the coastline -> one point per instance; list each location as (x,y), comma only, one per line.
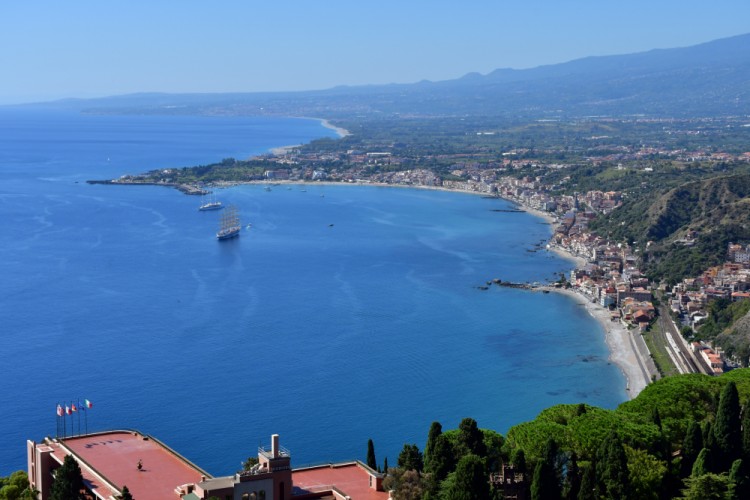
(620,341)
(635,365)
(284,150)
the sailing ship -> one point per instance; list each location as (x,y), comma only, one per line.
(229,225)
(211,205)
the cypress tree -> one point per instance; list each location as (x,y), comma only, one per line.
(470,481)
(471,438)
(691,447)
(385,465)
(589,489)
(435,430)
(726,429)
(612,468)
(519,461)
(371,462)
(702,464)
(655,417)
(573,478)
(545,484)
(739,483)
(443,460)
(68,482)
(709,441)
(746,431)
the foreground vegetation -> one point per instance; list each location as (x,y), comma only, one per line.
(686,436)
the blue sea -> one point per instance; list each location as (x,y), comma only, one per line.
(344,313)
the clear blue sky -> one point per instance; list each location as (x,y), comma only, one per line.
(83,48)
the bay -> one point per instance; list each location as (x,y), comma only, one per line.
(345,313)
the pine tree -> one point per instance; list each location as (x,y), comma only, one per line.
(435,430)
(68,482)
(691,447)
(371,462)
(726,429)
(612,468)
(410,458)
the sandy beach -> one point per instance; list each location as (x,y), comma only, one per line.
(627,349)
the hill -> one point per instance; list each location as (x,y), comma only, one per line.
(703,80)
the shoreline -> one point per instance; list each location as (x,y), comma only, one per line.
(284,150)
(622,349)
(619,339)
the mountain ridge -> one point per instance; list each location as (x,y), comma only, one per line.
(709,79)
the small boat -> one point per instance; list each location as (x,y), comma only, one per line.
(267,188)
(229,225)
(211,205)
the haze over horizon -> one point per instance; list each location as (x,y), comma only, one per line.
(90,49)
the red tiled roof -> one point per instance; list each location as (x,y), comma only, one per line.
(351,479)
(115,456)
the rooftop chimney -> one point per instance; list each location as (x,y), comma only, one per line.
(275,445)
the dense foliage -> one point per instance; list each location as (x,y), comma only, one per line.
(16,487)
(683,437)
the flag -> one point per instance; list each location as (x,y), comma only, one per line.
(59,411)
(73,408)
(80,406)
(67,410)
(89,404)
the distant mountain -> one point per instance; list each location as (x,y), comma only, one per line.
(704,80)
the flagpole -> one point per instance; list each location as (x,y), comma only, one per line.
(78,410)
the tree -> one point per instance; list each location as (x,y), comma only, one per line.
(371,462)
(646,474)
(470,438)
(572,477)
(410,458)
(746,431)
(436,430)
(405,484)
(470,480)
(589,487)
(68,482)
(706,487)
(739,483)
(655,417)
(443,461)
(545,484)
(691,447)
(726,429)
(612,468)
(385,465)
(702,464)
(250,463)
(126,494)
(519,461)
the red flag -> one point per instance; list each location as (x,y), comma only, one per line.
(73,407)
(59,411)
(67,410)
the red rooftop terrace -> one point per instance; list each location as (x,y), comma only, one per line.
(153,471)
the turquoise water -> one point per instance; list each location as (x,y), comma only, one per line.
(345,313)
